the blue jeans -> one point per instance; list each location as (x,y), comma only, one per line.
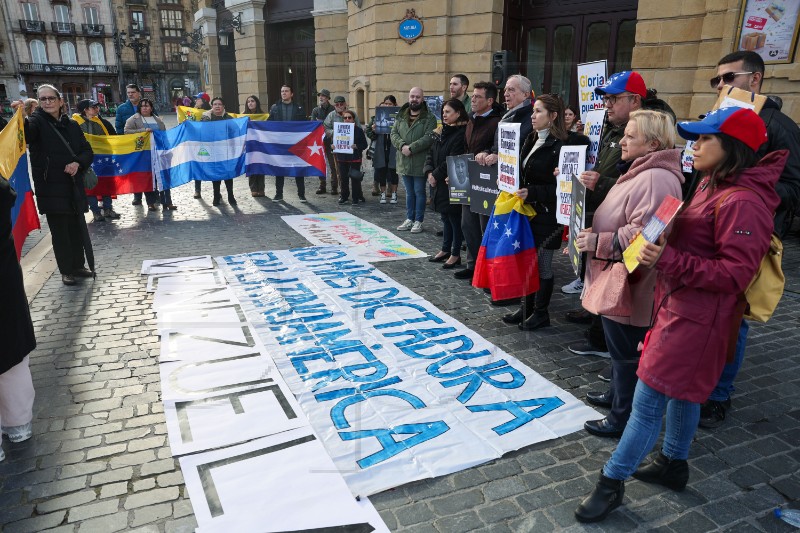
(725,387)
(644,426)
(415,197)
(451,233)
(93,205)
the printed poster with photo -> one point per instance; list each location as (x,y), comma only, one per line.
(458,176)
(384,119)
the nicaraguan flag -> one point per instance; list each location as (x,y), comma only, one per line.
(507,262)
(207,151)
(122,163)
(285,148)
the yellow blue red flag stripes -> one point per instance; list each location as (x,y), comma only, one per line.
(14,168)
(507,262)
(122,163)
(192,113)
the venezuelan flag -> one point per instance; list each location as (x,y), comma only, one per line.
(122,163)
(191,113)
(14,167)
(507,262)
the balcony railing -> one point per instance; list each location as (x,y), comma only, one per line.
(136,2)
(93,29)
(32,26)
(176,66)
(67,69)
(63,28)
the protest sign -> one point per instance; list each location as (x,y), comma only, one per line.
(593,128)
(343,137)
(384,119)
(483,188)
(371,242)
(435,104)
(508,149)
(652,230)
(590,76)
(571,162)
(577,221)
(395,388)
(458,176)
(735,97)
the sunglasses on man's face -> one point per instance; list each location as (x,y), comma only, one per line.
(728,78)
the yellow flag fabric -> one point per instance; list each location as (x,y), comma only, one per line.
(80,119)
(12,144)
(191,113)
(507,202)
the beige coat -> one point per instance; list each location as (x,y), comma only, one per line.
(137,123)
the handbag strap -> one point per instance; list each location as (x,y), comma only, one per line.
(63,140)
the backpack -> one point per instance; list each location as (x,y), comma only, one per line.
(766,289)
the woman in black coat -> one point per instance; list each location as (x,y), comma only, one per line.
(450,141)
(58,179)
(539,158)
(16,330)
(351,162)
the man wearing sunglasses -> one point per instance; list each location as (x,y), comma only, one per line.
(745,70)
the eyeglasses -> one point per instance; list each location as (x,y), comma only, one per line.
(348,118)
(611,99)
(48,98)
(728,77)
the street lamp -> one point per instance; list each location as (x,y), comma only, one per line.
(226,29)
(193,41)
(135,43)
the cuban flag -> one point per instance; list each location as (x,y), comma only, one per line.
(206,151)
(285,149)
(14,168)
(507,262)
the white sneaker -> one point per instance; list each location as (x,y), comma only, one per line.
(394,198)
(576,287)
(18,433)
(383,197)
(405,226)
(417,227)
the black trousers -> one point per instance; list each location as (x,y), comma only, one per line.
(65,231)
(301,185)
(471,228)
(622,342)
(217,186)
(348,185)
(256,183)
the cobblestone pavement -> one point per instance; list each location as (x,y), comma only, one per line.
(99,459)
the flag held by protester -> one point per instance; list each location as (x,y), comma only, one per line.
(507,263)
(206,151)
(285,149)
(122,163)
(195,114)
(14,168)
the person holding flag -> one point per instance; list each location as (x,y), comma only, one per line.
(90,121)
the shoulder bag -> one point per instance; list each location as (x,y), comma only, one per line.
(89,176)
(609,293)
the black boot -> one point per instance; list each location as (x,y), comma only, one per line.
(540,317)
(606,496)
(523,313)
(672,473)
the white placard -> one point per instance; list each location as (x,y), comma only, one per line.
(396,389)
(185,281)
(593,128)
(508,149)
(343,137)
(177,264)
(590,76)
(571,162)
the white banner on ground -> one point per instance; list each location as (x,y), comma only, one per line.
(179,264)
(372,243)
(396,389)
(185,281)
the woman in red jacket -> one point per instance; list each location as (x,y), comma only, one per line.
(712,254)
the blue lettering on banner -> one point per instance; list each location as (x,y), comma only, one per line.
(338,415)
(420,433)
(521,416)
(474,377)
(317,254)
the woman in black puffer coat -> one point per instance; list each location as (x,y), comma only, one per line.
(58,179)
(450,141)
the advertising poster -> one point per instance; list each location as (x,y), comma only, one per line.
(508,148)
(577,219)
(458,176)
(769,28)
(343,137)
(571,162)
(384,119)
(590,76)
(483,188)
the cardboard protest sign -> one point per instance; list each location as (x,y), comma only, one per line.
(508,148)
(735,97)
(590,76)
(384,119)
(652,231)
(458,176)
(483,188)
(577,221)
(571,162)
(343,137)
(593,128)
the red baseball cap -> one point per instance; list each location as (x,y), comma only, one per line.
(738,122)
(626,81)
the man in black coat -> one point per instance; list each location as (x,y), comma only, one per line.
(287,110)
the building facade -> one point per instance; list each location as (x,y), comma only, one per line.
(9,83)
(355,48)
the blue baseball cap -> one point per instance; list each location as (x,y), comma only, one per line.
(627,81)
(738,122)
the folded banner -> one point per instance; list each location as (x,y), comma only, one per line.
(208,151)
(285,148)
(507,262)
(14,168)
(122,163)
(192,113)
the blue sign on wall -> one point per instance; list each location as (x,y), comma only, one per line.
(410,28)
